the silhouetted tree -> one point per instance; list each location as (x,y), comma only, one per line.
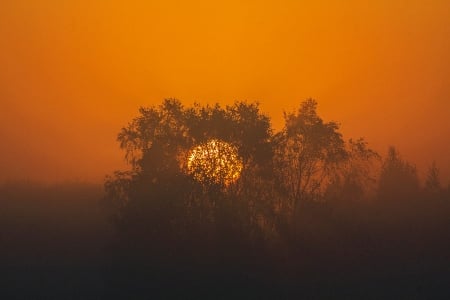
(289,204)
(355,177)
(398,179)
(308,151)
(433,187)
(167,203)
(433,182)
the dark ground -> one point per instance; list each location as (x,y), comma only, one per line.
(56,243)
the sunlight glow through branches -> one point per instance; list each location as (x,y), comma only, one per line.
(215,162)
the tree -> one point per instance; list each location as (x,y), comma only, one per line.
(398,179)
(308,151)
(201,173)
(170,196)
(433,183)
(355,178)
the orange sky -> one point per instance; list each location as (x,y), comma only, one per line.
(74,72)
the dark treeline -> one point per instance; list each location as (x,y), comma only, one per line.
(216,204)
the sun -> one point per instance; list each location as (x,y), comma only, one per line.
(214,162)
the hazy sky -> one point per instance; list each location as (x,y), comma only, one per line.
(73,72)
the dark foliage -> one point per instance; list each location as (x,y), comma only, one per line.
(306,205)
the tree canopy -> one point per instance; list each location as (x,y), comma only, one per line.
(218,185)
(209,168)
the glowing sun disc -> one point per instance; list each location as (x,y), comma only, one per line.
(214,161)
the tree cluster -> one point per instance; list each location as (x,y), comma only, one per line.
(166,213)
